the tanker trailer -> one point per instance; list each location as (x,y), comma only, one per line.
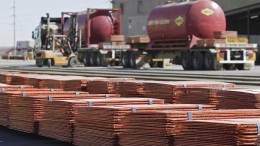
(96,36)
(192,34)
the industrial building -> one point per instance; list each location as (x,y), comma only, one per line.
(242,16)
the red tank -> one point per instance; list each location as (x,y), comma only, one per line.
(180,20)
(101,27)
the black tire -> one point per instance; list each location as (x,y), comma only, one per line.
(240,67)
(39,63)
(197,61)
(153,64)
(125,59)
(210,62)
(86,59)
(73,62)
(49,63)
(132,60)
(101,60)
(186,60)
(93,59)
(229,66)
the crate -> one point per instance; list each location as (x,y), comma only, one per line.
(138,39)
(116,38)
(225,34)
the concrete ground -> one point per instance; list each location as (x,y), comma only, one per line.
(13,138)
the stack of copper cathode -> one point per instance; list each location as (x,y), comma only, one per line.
(6,77)
(219,132)
(169,90)
(26,109)
(106,117)
(105,86)
(4,101)
(161,127)
(130,88)
(60,114)
(239,99)
(111,121)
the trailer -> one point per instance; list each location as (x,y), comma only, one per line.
(95,36)
(192,34)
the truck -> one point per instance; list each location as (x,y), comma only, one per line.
(95,36)
(48,26)
(192,34)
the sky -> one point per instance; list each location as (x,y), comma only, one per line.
(29,12)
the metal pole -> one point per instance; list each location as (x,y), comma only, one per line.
(14,30)
(248,23)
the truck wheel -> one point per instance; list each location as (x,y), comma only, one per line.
(245,66)
(39,63)
(210,62)
(197,61)
(101,60)
(186,60)
(73,62)
(133,56)
(86,59)
(93,59)
(125,59)
(49,63)
(229,66)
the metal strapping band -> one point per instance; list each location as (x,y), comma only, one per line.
(189,115)
(90,103)
(134,109)
(150,102)
(23,94)
(200,107)
(3,90)
(50,98)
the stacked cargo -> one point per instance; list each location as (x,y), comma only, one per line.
(6,77)
(138,39)
(160,128)
(4,102)
(58,117)
(113,40)
(167,90)
(69,83)
(219,132)
(130,88)
(36,80)
(219,37)
(106,86)
(26,109)
(239,99)
(197,96)
(111,121)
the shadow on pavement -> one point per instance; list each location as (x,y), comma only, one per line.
(14,138)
